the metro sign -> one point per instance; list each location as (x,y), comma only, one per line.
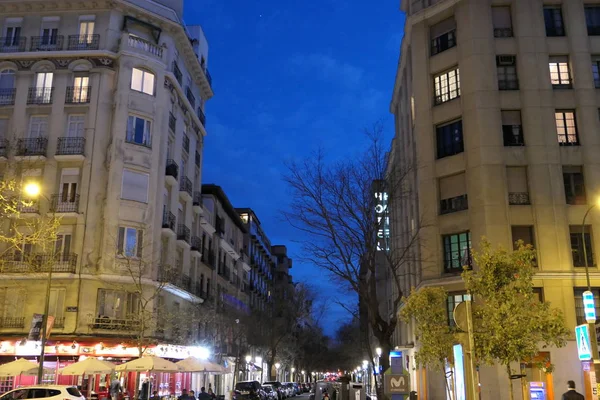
(396,384)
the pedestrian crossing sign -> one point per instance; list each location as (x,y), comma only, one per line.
(584,347)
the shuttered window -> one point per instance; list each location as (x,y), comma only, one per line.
(135,186)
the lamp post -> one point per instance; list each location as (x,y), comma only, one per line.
(277,366)
(259,362)
(303,376)
(292,376)
(248,359)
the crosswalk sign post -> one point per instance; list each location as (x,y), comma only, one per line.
(584,347)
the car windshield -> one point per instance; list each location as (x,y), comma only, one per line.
(73,391)
(244,386)
(267,388)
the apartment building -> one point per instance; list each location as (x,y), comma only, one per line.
(102,104)
(496,105)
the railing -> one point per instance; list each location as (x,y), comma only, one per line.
(197,199)
(142,44)
(198,159)
(513,135)
(503,32)
(121,324)
(38,263)
(3,147)
(47,43)
(7,97)
(83,42)
(190,96)
(172,122)
(183,233)
(177,73)
(196,244)
(185,185)
(10,44)
(168,220)
(454,204)
(59,322)
(70,146)
(172,169)
(201,116)
(40,95)
(505,84)
(78,94)
(65,203)
(12,322)
(186,143)
(32,146)
(518,198)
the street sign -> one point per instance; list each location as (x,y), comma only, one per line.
(396,384)
(588,306)
(584,347)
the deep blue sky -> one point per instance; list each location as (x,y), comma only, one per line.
(289,77)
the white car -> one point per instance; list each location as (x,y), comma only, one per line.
(55,392)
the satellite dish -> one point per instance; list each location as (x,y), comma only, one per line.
(460,316)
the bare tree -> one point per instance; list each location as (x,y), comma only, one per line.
(334,206)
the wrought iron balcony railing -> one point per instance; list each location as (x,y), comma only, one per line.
(183,233)
(32,146)
(518,199)
(185,185)
(47,43)
(168,220)
(65,203)
(190,96)
(7,97)
(197,199)
(12,322)
(114,324)
(10,44)
(172,169)
(196,244)
(177,73)
(83,42)
(69,146)
(38,263)
(78,94)
(40,95)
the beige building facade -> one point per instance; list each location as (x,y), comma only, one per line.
(496,105)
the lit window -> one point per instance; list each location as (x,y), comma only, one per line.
(139,131)
(142,81)
(447,86)
(457,251)
(566,128)
(559,72)
(131,241)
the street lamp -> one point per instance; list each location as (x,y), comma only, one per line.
(303,376)
(248,359)
(259,363)
(292,377)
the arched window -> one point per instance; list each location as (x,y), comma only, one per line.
(7,79)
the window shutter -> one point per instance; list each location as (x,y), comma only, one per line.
(452,186)
(135,186)
(517,179)
(121,241)
(559,59)
(511,117)
(140,242)
(501,17)
(442,27)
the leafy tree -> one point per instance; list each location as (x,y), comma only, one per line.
(510,321)
(435,336)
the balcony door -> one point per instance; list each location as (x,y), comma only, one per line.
(12,32)
(68,185)
(86,30)
(49,34)
(62,247)
(81,85)
(43,87)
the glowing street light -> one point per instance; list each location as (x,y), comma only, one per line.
(378,351)
(32,189)
(248,359)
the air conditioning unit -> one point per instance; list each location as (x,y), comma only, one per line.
(506,60)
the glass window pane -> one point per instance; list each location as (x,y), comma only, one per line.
(136,79)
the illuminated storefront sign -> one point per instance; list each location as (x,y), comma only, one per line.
(383,221)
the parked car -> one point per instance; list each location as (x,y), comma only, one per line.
(297,389)
(248,390)
(305,388)
(270,392)
(55,392)
(290,389)
(278,387)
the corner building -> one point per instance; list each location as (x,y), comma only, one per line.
(496,105)
(102,104)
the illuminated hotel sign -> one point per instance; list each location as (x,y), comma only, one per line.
(383,221)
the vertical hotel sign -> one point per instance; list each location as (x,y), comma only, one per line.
(383,218)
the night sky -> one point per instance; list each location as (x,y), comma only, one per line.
(289,77)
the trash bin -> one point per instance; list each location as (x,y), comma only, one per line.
(413,396)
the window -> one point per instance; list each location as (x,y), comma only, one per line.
(131,241)
(135,186)
(42,92)
(139,131)
(560,76)
(62,246)
(538,293)
(49,31)
(69,181)
(142,81)
(524,233)
(38,126)
(577,250)
(596,70)
(454,299)
(447,86)
(579,311)
(507,72)
(12,304)
(518,191)
(56,305)
(592,19)
(449,139)
(566,128)
(87,24)
(12,31)
(554,21)
(457,251)
(43,79)
(443,36)
(80,92)
(502,22)
(117,304)
(7,79)
(574,185)
(75,125)
(453,194)
(512,129)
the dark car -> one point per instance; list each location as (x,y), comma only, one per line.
(248,390)
(277,386)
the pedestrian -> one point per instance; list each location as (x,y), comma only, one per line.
(115,388)
(184,395)
(211,393)
(572,394)
(192,395)
(155,396)
(145,389)
(203,395)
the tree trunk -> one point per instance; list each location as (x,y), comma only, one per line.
(510,383)
(384,361)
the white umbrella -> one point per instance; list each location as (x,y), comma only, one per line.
(192,364)
(89,366)
(20,367)
(149,363)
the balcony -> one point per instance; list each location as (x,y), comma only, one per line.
(114,324)
(185,188)
(136,42)
(70,149)
(454,204)
(78,94)
(32,147)
(38,263)
(228,248)
(177,73)
(171,172)
(503,32)
(172,122)
(47,43)
(83,42)
(201,116)
(59,322)
(12,322)
(40,95)
(196,244)
(28,207)
(183,234)
(518,199)
(65,203)
(11,44)
(168,221)
(7,97)
(190,96)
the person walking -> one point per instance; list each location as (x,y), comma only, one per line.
(115,388)
(203,395)
(571,393)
